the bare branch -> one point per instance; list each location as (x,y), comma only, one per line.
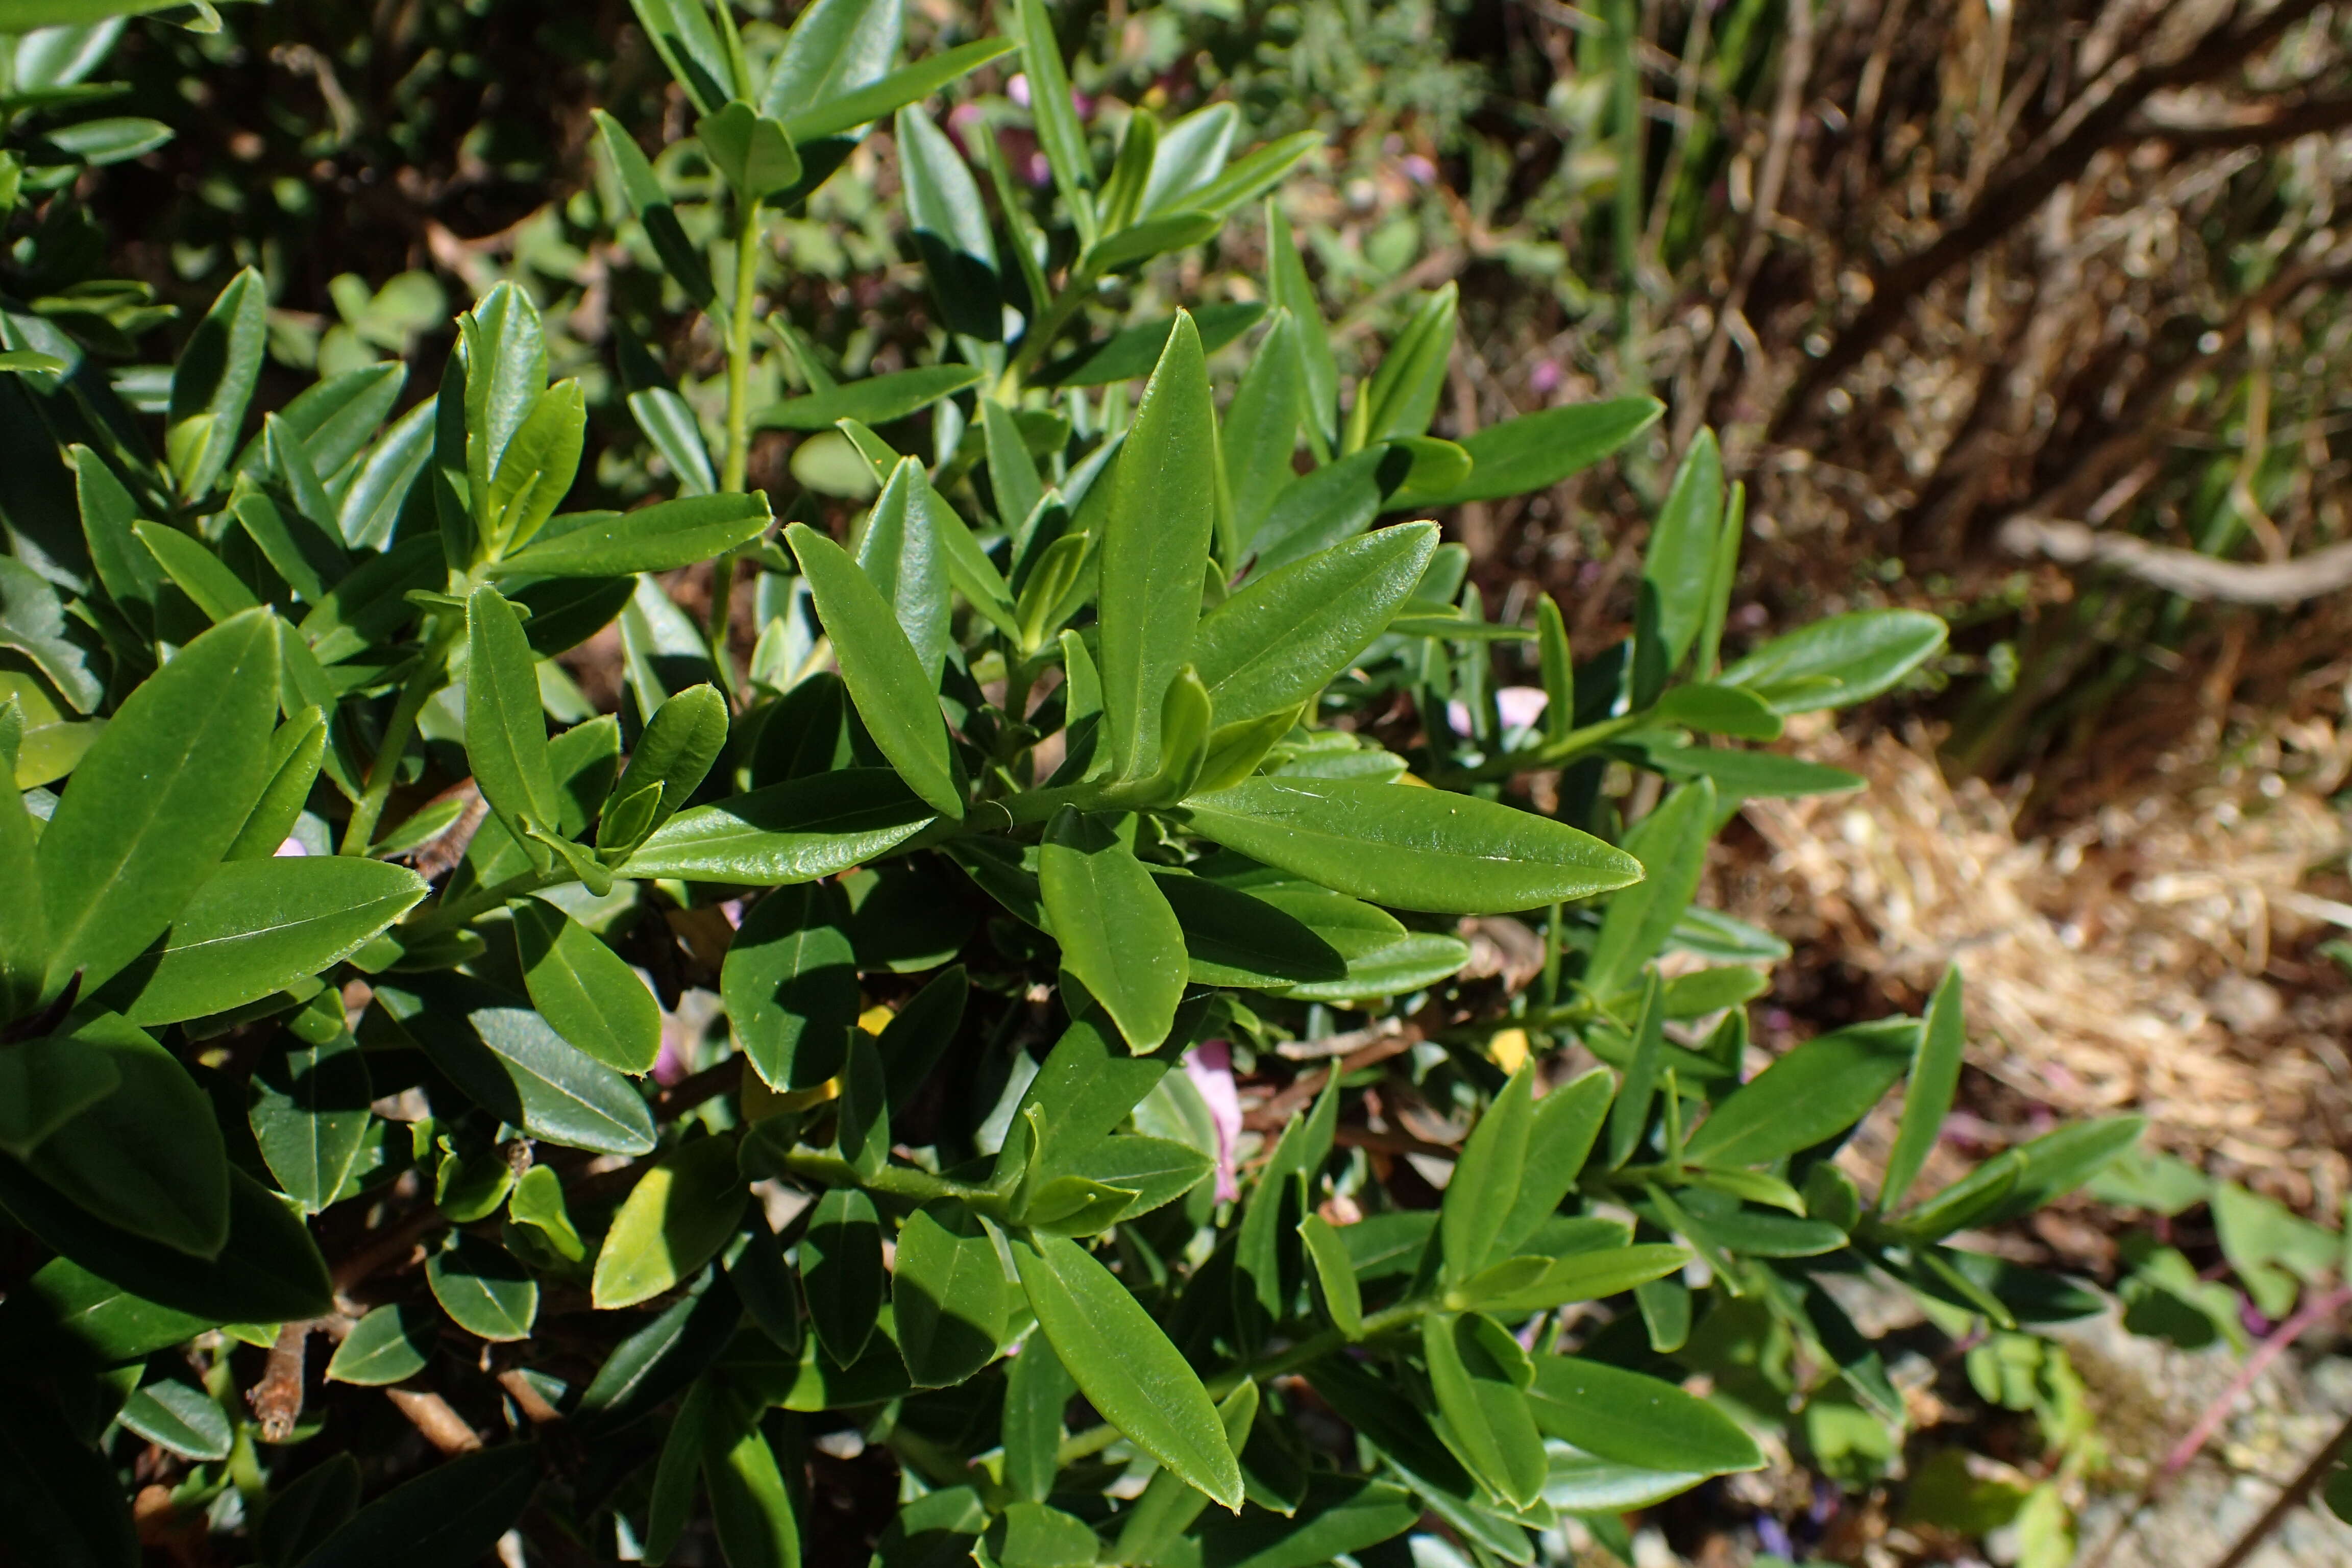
(2183,572)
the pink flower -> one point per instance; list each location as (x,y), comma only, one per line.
(1210,1066)
(1545,379)
(291,846)
(1519,706)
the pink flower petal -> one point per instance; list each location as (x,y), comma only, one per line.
(1210,1066)
(291,846)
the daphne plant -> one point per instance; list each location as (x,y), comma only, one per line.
(838,1053)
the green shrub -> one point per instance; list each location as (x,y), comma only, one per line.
(1104,748)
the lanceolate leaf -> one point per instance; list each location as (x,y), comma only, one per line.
(453,1513)
(676,1217)
(258,926)
(841,1268)
(1935,1077)
(1671,843)
(1410,848)
(1636,1420)
(505,1057)
(1125,1365)
(44,1084)
(213,381)
(658,538)
(1283,638)
(791,986)
(949,1295)
(1833,662)
(1536,451)
(1680,560)
(897,700)
(1155,547)
(787,833)
(309,1110)
(1816,1091)
(835,46)
(506,730)
(875,400)
(147,1159)
(157,800)
(1119,936)
(585,990)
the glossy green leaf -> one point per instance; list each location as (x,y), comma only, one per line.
(214,589)
(46,1083)
(1289,289)
(1590,1276)
(1487,1177)
(1285,635)
(1059,131)
(450,1516)
(642,189)
(906,561)
(1671,843)
(659,1360)
(1635,1419)
(841,1271)
(1536,451)
(304,1512)
(676,750)
(874,400)
(1411,848)
(296,751)
(1259,434)
(506,1058)
(670,424)
(1838,661)
(585,990)
(1748,775)
(179,1416)
(751,152)
(1679,563)
(308,1106)
(148,1158)
(949,1294)
(835,46)
(1629,1115)
(786,833)
(1566,1122)
(536,469)
(1815,1092)
(1155,548)
(157,800)
(1935,1077)
(391,1344)
(506,730)
(750,1506)
(682,34)
(678,1470)
(886,678)
(269,1272)
(672,1223)
(213,384)
(537,1201)
(949,226)
(1233,939)
(1328,507)
(1484,1412)
(1130,353)
(1401,396)
(790,982)
(1090,1080)
(483,1288)
(887,94)
(658,538)
(1335,1276)
(1119,936)
(1717,711)
(1125,1365)
(862,1120)
(254,927)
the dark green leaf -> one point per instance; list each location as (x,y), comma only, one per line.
(904,558)
(213,381)
(787,833)
(1155,548)
(506,730)
(1037,1387)
(1671,843)
(449,1517)
(908,85)
(1330,506)
(658,538)
(886,677)
(1482,1408)
(1285,635)
(682,34)
(391,1344)
(790,982)
(750,151)
(1059,131)
(1133,352)
(1335,1275)
(308,1106)
(1119,936)
(1485,1179)
(585,990)
(505,1057)
(1679,562)
(314,1506)
(157,800)
(296,751)
(949,1294)
(44,1084)
(1815,1092)
(178,1416)
(483,1288)
(147,1159)
(1402,395)
(750,1506)
(645,196)
(1935,1076)
(1838,661)
(1536,451)
(841,1269)
(1233,939)
(951,229)
(1636,1420)
(255,927)
(1125,1365)
(875,400)
(1412,849)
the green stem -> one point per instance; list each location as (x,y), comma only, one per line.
(896,1180)
(1041,335)
(1550,754)
(383,771)
(738,427)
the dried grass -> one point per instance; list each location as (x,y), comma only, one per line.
(2152,957)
